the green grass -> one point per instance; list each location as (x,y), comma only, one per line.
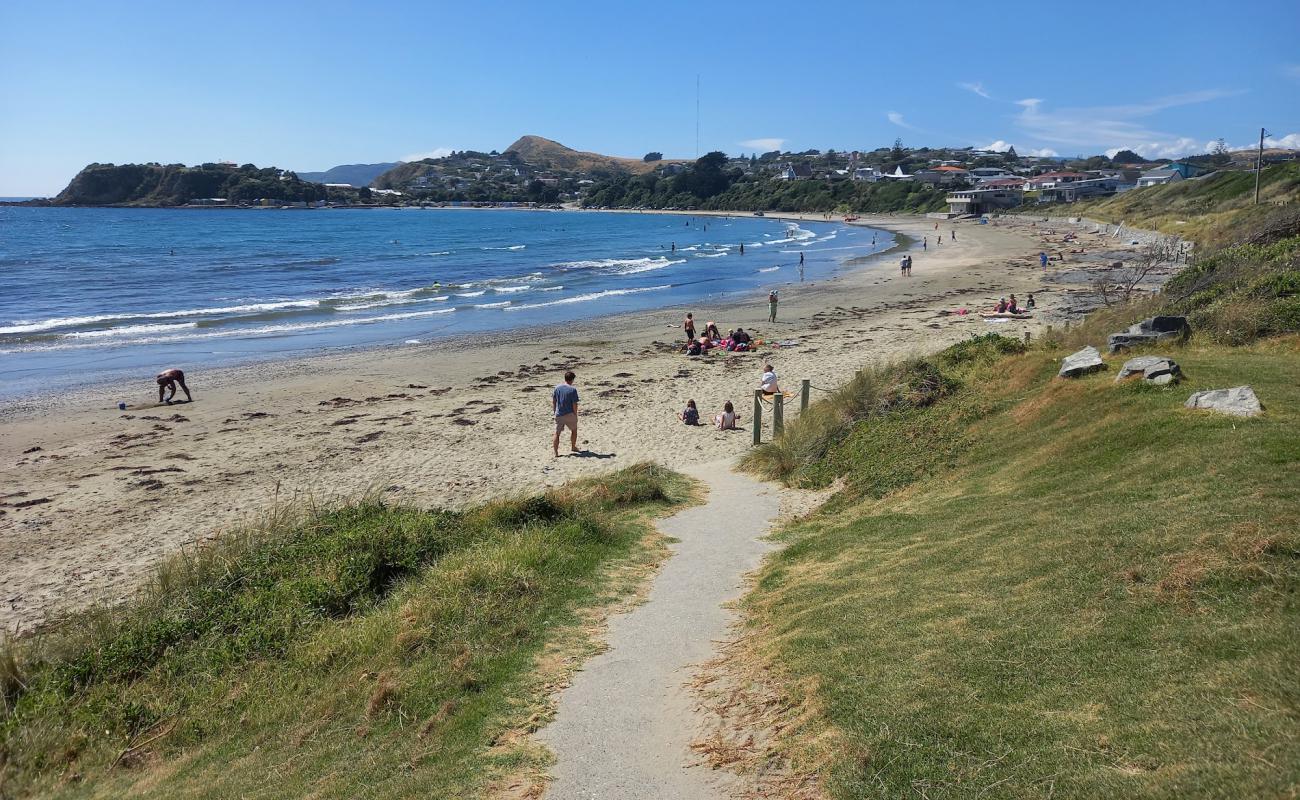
(1212,211)
(1034,587)
(370,651)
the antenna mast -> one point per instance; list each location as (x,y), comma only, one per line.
(697,115)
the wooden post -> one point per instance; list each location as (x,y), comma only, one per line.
(803,394)
(757,422)
(1026,337)
(778,414)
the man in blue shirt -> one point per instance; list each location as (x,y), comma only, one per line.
(564,400)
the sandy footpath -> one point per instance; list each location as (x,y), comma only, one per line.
(91,496)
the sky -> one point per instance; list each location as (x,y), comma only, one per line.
(309,85)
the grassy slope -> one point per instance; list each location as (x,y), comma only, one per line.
(1210,211)
(368,652)
(1092,594)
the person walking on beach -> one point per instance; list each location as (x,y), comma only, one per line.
(801,259)
(169,379)
(1042,259)
(742,248)
(902,267)
(564,402)
(689,327)
(954,234)
(925,243)
(771,306)
(909,266)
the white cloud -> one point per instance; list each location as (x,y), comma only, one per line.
(897,119)
(763,145)
(1290,141)
(437,152)
(976,87)
(1001,146)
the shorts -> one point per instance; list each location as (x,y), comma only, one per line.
(569,421)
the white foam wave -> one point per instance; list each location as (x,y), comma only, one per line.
(493,305)
(583,298)
(510,247)
(440,253)
(711,255)
(510,289)
(471,294)
(769,269)
(622,266)
(130,330)
(36,326)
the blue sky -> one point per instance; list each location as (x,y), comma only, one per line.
(309,85)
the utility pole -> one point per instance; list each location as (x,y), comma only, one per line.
(1259,162)
(697,118)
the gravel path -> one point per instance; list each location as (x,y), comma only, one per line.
(624,726)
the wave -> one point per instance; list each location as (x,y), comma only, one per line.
(583,298)
(510,247)
(479,293)
(769,269)
(502,304)
(510,289)
(711,255)
(621,266)
(130,330)
(36,326)
(440,253)
(394,302)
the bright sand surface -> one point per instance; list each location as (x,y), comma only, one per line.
(92,496)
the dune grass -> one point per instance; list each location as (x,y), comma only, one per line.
(1033,587)
(368,651)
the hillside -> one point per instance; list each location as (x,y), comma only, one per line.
(546,154)
(177,184)
(357,175)
(1208,210)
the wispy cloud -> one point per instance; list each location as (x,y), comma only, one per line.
(977,87)
(1002,146)
(897,119)
(1118,127)
(437,152)
(764,145)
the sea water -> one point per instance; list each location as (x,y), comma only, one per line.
(89,294)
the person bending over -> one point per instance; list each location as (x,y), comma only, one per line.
(169,379)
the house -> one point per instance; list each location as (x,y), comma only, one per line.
(1159,177)
(942,175)
(981,174)
(896,175)
(791,172)
(1070,191)
(982,200)
(1051,180)
(1185,169)
(868,174)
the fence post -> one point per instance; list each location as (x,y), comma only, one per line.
(803,394)
(778,414)
(758,416)
(1026,337)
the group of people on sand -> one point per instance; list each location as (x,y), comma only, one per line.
(726,419)
(1013,306)
(736,340)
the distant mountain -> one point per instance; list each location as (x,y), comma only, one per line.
(177,184)
(352,174)
(546,154)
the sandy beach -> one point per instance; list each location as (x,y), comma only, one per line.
(92,496)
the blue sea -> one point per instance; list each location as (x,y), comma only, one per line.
(91,294)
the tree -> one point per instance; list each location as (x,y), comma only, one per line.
(897,152)
(1127,157)
(1120,286)
(1220,152)
(1010,156)
(653,156)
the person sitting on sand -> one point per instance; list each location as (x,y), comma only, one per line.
(1029,303)
(740,340)
(1001,307)
(169,379)
(1013,307)
(768,383)
(706,344)
(726,421)
(693,348)
(690,415)
(711,332)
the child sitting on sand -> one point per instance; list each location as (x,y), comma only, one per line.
(726,421)
(693,348)
(690,415)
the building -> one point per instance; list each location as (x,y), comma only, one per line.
(792,172)
(896,175)
(1070,191)
(1159,177)
(982,174)
(1051,180)
(942,175)
(868,174)
(983,200)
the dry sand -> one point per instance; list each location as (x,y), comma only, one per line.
(93,496)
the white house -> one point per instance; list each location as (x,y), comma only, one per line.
(1159,177)
(868,174)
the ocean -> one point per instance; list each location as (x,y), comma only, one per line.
(91,294)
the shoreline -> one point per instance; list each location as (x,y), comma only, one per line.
(98,496)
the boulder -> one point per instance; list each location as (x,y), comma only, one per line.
(1239,401)
(1159,370)
(1149,331)
(1081,363)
